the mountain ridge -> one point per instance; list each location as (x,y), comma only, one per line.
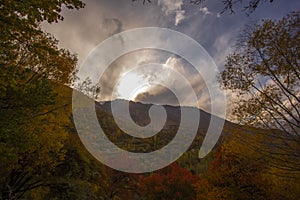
(139,112)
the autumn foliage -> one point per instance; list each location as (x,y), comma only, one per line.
(172,182)
(42,157)
(240,171)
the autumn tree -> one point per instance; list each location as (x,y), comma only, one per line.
(238,171)
(32,119)
(235,173)
(78,176)
(264,73)
(172,182)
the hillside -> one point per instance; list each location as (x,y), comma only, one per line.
(140,114)
(80,176)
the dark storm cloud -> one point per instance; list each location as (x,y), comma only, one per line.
(161,95)
(158,95)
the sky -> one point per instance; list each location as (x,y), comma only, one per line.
(81,31)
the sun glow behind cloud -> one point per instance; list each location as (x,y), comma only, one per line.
(130,85)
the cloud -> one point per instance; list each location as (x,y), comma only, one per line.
(179,16)
(161,95)
(169,6)
(205,11)
(222,47)
(112,25)
(173,7)
(157,95)
(113,74)
(83,30)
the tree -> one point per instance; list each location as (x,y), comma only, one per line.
(121,185)
(233,174)
(78,176)
(264,72)
(172,182)
(32,120)
(240,172)
(249,7)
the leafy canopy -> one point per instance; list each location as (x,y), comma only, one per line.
(264,72)
(32,122)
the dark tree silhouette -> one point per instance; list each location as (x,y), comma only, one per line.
(249,6)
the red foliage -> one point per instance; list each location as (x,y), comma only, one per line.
(172,182)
